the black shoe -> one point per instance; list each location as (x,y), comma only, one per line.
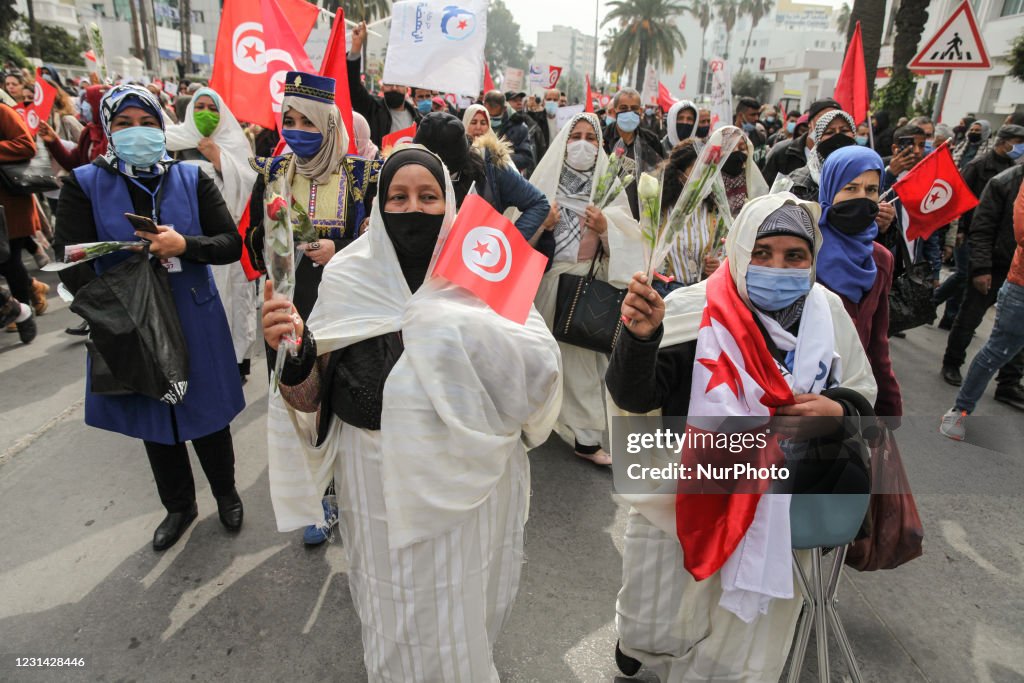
(27,330)
(946,324)
(952,376)
(229,508)
(78,330)
(1011,395)
(899,335)
(626,664)
(173,526)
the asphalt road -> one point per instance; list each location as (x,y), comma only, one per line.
(78,577)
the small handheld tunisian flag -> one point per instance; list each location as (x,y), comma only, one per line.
(486,254)
(734,374)
(933,193)
(396,139)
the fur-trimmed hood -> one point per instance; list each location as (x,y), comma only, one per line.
(500,150)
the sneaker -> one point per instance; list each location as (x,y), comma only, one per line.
(1012,395)
(39,292)
(952,424)
(315,535)
(27,329)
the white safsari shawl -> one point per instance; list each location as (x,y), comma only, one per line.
(469,391)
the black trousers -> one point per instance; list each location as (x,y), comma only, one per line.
(972,311)
(13,270)
(173,473)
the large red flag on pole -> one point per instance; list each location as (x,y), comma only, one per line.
(488,81)
(486,254)
(240,63)
(665,99)
(933,193)
(852,87)
(284,52)
(335,65)
(589,104)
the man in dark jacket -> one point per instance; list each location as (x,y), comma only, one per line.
(385,114)
(513,128)
(547,122)
(788,155)
(643,150)
(517,102)
(992,244)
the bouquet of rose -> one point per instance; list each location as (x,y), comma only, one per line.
(704,178)
(609,185)
(87,251)
(279,249)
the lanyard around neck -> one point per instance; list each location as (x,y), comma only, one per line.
(153,194)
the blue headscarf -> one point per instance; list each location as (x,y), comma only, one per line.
(846,264)
(117,99)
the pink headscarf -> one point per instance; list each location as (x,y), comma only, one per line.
(361,132)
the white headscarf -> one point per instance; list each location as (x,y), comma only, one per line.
(236,176)
(670,120)
(469,389)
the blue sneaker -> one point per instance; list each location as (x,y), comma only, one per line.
(314,535)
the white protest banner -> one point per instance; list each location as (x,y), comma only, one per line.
(721,94)
(514,79)
(564,114)
(543,77)
(437,44)
(649,95)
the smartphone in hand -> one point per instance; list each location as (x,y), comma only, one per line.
(142,223)
(904,142)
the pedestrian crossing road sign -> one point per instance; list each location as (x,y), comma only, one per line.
(957,45)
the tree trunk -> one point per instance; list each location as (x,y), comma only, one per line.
(137,50)
(185,10)
(702,69)
(746,48)
(641,67)
(33,42)
(910,20)
(871,15)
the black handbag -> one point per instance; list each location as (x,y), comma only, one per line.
(26,178)
(910,299)
(588,311)
(5,245)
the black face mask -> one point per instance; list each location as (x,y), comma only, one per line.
(413,235)
(837,141)
(852,216)
(702,131)
(974,137)
(735,163)
(394,99)
(683,130)
(959,130)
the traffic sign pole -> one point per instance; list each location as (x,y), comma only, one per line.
(940,96)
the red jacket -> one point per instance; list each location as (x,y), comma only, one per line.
(16,145)
(1016,275)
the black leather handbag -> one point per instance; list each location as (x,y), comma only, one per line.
(26,178)
(910,299)
(588,311)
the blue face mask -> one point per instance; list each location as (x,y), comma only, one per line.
(609,120)
(1016,152)
(748,128)
(424,106)
(772,289)
(303,142)
(495,122)
(791,127)
(551,107)
(140,146)
(769,119)
(929,145)
(862,140)
(628,121)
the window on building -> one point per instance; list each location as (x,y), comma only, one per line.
(99,9)
(991,94)
(1012,7)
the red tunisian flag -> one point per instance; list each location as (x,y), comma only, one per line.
(335,65)
(486,254)
(247,55)
(588,104)
(665,99)
(399,137)
(933,193)
(852,87)
(488,81)
(734,375)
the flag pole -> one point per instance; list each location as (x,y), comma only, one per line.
(871,131)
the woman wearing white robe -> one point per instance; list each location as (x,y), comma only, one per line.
(682,629)
(224,155)
(433,502)
(578,228)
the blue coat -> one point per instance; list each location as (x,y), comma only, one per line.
(214,396)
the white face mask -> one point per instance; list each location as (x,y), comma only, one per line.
(581,155)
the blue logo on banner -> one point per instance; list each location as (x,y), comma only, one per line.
(457,23)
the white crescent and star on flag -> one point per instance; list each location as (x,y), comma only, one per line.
(486,253)
(938,196)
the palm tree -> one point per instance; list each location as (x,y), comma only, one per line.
(843,19)
(910,20)
(647,31)
(365,10)
(701,11)
(727,11)
(756,10)
(871,15)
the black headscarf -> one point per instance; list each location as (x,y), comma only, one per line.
(413,234)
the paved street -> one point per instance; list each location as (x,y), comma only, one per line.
(78,577)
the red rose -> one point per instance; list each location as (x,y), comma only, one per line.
(74,255)
(714,154)
(276,208)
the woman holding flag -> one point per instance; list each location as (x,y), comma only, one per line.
(420,401)
(317,178)
(568,175)
(210,138)
(750,341)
